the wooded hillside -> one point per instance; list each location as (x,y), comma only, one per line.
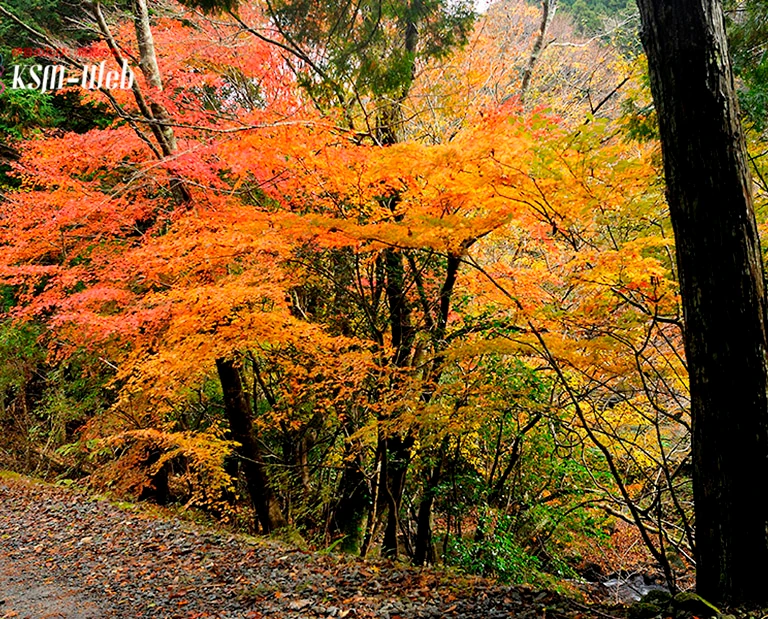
(389,278)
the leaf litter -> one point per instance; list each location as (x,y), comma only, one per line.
(64,554)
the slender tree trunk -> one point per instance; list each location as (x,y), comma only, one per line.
(722,288)
(424,549)
(163,132)
(240,419)
(151,71)
(375,511)
(399,308)
(395,451)
(547,13)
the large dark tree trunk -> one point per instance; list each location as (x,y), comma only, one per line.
(721,280)
(240,419)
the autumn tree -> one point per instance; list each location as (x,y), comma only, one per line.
(722,287)
(362,60)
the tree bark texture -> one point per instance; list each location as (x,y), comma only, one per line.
(240,418)
(397,454)
(424,549)
(348,518)
(151,71)
(722,288)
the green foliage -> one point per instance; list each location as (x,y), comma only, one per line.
(498,553)
(20,357)
(74,114)
(21,354)
(747,25)
(587,17)
(211,6)
(7,297)
(44,404)
(513,493)
(640,122)
(369,47)
(76,390)
(590,15)
(24,110)
(55,16)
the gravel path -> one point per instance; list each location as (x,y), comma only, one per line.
(44,598)
(63,554)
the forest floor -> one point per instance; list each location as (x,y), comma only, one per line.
(65,554)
